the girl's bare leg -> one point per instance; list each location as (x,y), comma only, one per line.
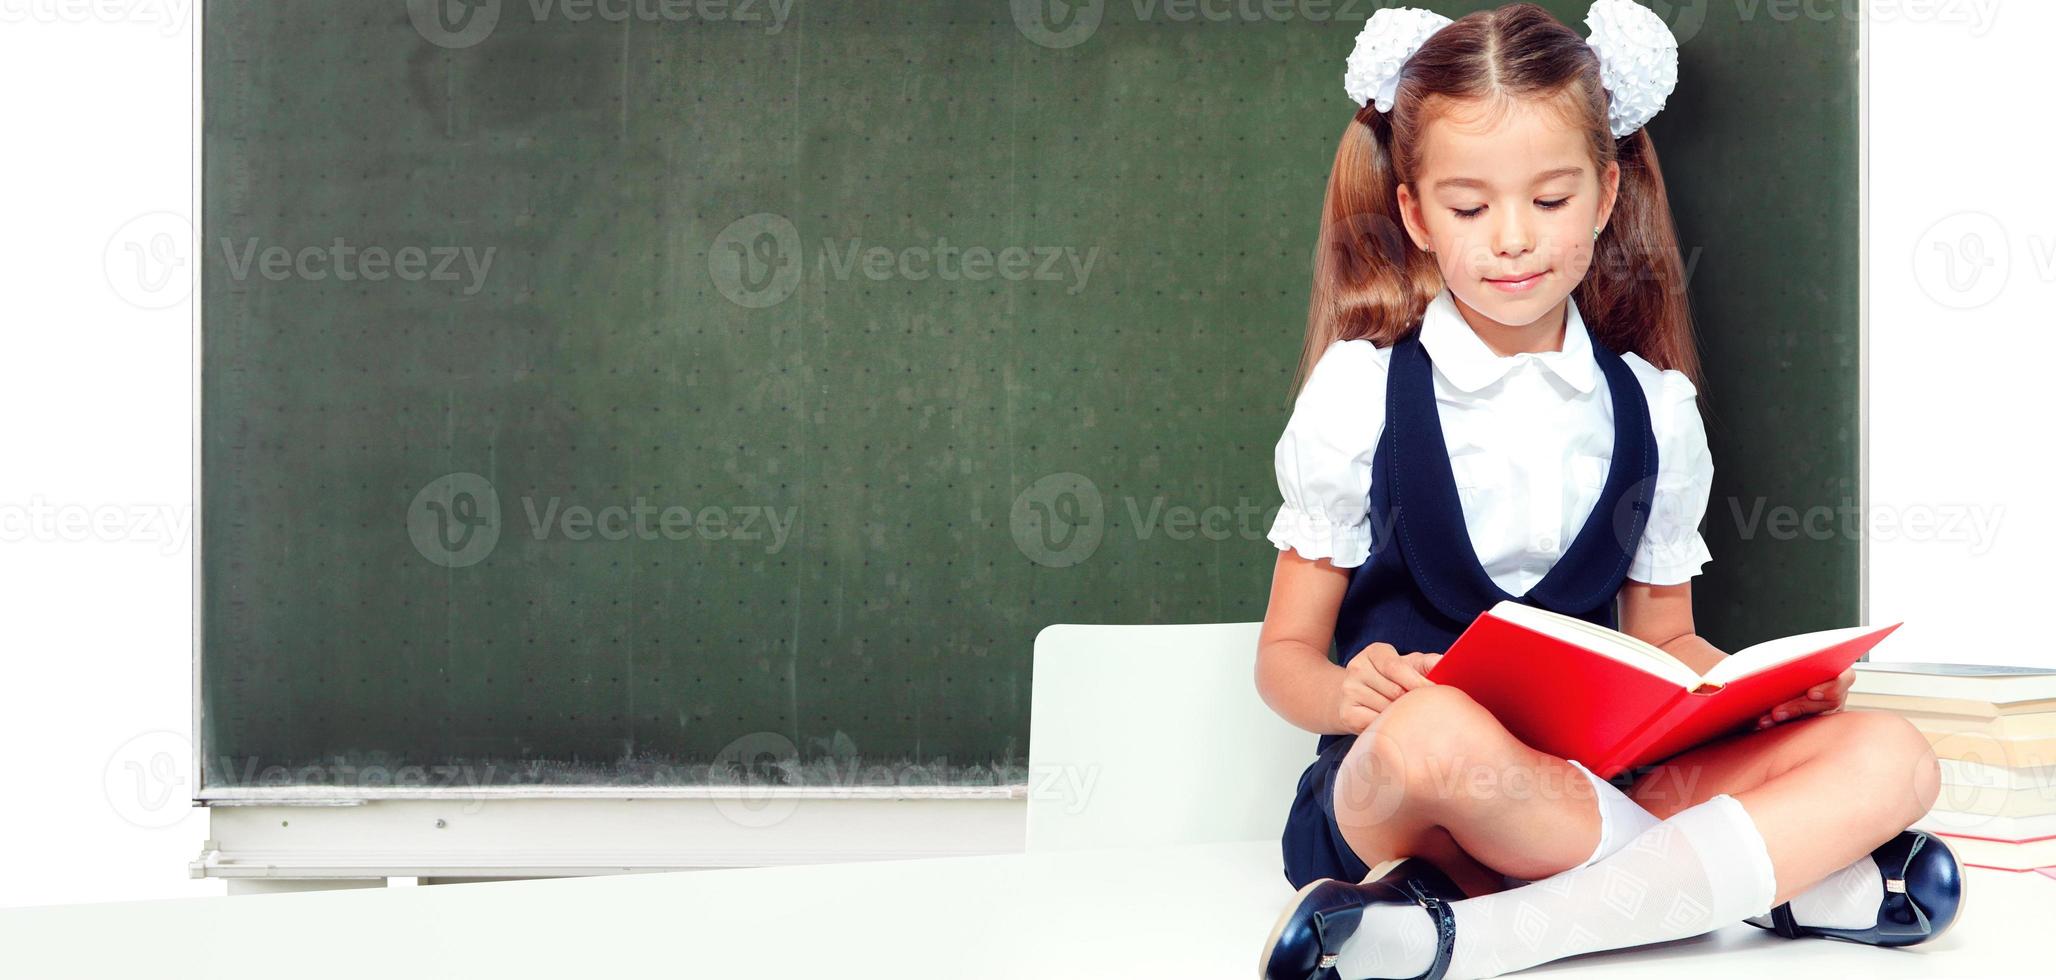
(1436,776)
(1823,790)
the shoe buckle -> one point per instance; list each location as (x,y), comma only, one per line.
(1328,959)
(1896,885)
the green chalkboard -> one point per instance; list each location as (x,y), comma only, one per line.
(621,393)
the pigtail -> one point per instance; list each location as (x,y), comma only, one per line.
(1369,281)
(1634,295)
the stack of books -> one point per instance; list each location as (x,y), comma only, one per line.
(1994,734)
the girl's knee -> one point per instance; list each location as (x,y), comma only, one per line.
(1891,750)
(1384,772)
(1439,717)
(1428,730)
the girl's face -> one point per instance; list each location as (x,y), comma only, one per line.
(1507,205)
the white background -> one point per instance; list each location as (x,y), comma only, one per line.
(95,387)
(1962,232)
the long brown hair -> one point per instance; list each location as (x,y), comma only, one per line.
(1371,282)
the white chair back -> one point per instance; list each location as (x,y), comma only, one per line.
(1143,735)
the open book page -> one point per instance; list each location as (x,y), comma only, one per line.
(1652,659)
(1770,653)
(1612,644)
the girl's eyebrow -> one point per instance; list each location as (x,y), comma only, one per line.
(1545,175)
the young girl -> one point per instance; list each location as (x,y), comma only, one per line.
(1498,402)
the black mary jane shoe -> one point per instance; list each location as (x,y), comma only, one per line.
(1923,896)
(1309,934)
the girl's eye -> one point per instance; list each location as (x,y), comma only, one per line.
(1544,205)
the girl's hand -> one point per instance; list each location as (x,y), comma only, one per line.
(1823,697)
(1375,678)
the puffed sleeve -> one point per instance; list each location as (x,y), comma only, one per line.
(1323,459)
(1671,550)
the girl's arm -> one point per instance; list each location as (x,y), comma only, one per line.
(1293,673)
(1661,615)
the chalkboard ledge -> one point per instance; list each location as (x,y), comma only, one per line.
(534,832)
(355,795)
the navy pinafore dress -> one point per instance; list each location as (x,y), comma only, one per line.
(1423,584)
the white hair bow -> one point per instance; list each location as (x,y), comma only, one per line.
(1638,58)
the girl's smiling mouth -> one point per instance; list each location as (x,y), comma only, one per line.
(1520,285)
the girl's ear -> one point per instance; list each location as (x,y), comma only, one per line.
(1410,216)
(1609,191)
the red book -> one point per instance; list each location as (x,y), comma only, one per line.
(1577,690)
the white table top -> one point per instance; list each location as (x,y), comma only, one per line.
(1187,911)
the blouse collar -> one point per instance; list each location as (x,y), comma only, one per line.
(1467,363)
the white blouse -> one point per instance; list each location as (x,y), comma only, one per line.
(1530,438)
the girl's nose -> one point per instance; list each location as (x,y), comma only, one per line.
(1514,239)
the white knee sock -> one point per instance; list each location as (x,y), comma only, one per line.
(1845,899)
(1620,820)
(1400,940)
(1703,868)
